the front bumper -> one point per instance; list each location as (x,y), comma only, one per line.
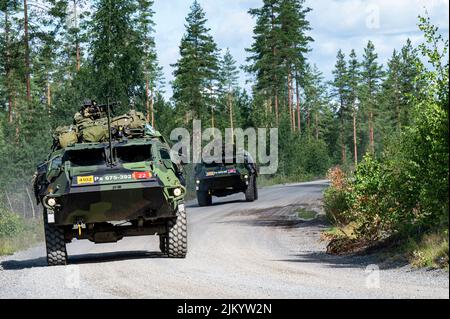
(113,202)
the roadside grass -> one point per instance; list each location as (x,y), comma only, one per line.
(430,251)
(27,233)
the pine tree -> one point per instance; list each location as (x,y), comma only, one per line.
(392,93)
(265,60)
(150,66)
(116,55)
(317,102)
(294,47)
(410,82)
(196,70)
(12,65)
(341,91)
(371,76)
(353,90)
(228,83)
(278,54)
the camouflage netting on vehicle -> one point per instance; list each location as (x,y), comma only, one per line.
(89,130)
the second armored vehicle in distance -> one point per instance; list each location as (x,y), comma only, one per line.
(225,178)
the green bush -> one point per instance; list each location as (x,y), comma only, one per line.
(11,224)
(336,206)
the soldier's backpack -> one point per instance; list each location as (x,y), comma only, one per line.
(92,131)
(97,132)
(66,135)
(138,119)
(123,120)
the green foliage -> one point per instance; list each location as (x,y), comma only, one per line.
(11,224)
(336,205)
(116,53)
(430,251)
(336,197)
(196,72)
(19,234)
(405,191)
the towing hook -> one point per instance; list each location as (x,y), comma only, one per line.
(80,225)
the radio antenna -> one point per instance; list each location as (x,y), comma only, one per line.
(108,114)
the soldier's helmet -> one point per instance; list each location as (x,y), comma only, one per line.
(87,103)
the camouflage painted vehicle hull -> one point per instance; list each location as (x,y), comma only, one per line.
(85,197)
(102,203)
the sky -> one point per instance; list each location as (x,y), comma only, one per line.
(336,24)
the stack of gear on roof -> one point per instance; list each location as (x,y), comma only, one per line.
(90,125)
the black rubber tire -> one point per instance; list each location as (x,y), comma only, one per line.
(256,189)
(176,243)
(163,243)
(55,244)
(250,192)
(204,198)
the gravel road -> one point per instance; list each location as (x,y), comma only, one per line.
(236,250)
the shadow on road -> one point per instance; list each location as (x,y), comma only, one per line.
(81,259)
(280,217)
(349,261)
(219,203)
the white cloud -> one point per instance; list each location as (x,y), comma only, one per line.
(345,24)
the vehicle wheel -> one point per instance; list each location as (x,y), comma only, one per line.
(55,244)
(176,242)
(250,192)
(162,243)
(204,199)
(256,189)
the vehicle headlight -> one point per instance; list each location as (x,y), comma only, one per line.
(177,192)
(51,202)
(245,176)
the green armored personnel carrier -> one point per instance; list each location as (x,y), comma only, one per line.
(107,178)
(226,177)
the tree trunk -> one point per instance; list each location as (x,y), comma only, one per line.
(344,157)
(77,45)
(317,125)
(31,202)
(147,102)
(17,117)
(297,93)
(78,56)
(308,120)
(9,108)
(27,53)
(49,95)
(399,120)
(276,108)
(230,106)
(152,111)
(291,118)
(372,142)
(8,65)
(275,93)
(355,145)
